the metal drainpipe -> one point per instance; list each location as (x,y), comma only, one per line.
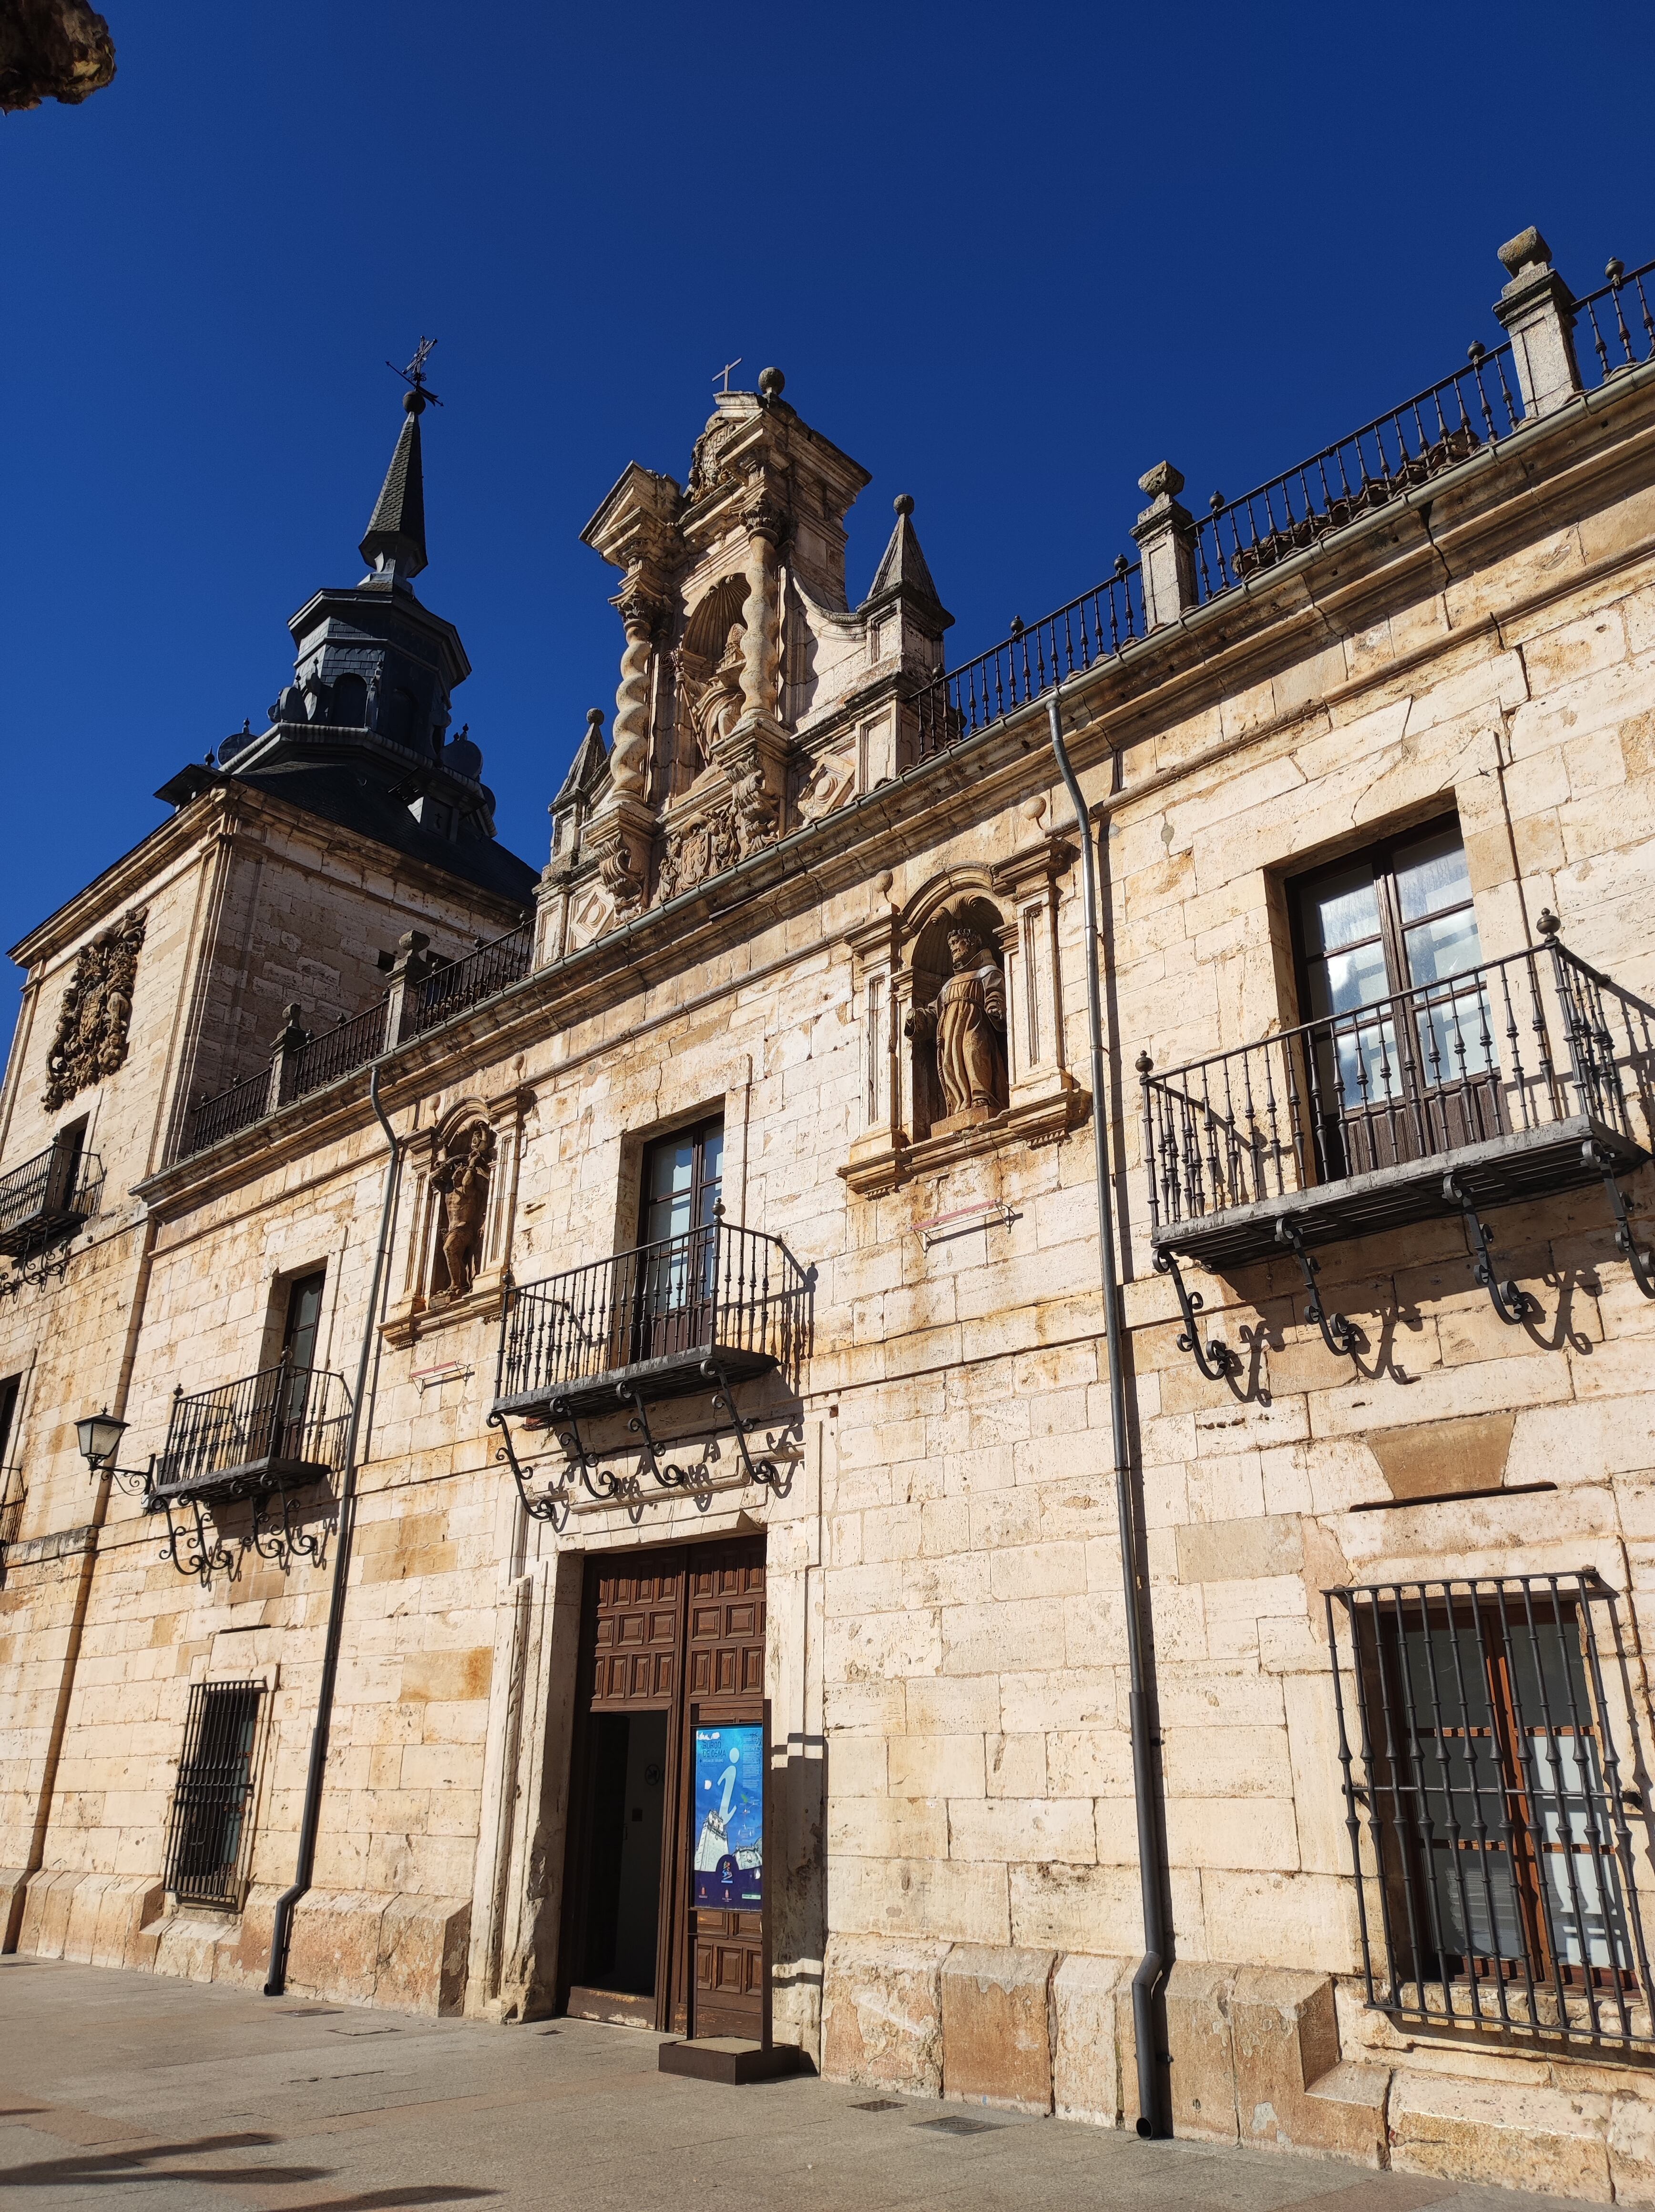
(1151,1966)
(310,1818)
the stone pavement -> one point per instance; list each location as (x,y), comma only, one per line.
(130,2089)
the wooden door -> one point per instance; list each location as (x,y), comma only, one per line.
(674,1634)
(724,1684)
(630,1685)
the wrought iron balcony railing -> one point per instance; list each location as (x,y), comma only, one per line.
(645,1323)
(1517,1076)
(47,1198)
(282,1427)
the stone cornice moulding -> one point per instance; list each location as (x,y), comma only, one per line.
(1151,683)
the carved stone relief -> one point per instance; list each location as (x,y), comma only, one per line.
(462,1180)
(825,786)
(97,1010)
(705,843)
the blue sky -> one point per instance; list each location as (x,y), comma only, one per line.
(1007,259)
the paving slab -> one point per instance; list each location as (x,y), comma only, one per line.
(120,2089)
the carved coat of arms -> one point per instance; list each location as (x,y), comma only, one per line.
(97,1010)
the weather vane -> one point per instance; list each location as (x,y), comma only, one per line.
(414,375)
(724,372)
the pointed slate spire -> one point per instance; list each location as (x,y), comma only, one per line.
(394,547)
(903,571)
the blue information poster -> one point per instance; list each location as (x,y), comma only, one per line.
(729,1858)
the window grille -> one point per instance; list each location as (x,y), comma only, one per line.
(209,1834)
(1496,1885)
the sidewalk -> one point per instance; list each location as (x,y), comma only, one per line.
(123,2089)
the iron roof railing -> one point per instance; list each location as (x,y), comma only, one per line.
(1408,445)
(449,989)
(1614,343)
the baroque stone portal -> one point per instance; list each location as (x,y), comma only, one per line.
(463,1181)
(967,1020)
(97,1010)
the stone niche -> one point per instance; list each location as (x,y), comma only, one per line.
(462,1177)
(959,994)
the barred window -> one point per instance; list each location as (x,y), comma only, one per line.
(1497,1885)
(210,1830)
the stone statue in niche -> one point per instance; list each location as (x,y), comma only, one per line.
(967,1023)
(97,1010)
(717,707)
(462,1180)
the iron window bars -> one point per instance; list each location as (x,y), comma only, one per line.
(1492,1830)
(210,1833)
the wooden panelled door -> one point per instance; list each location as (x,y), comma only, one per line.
(725,1675)
(669,1639)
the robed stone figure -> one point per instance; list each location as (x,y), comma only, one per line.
(967,1021)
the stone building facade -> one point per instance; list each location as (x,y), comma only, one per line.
(684,1313)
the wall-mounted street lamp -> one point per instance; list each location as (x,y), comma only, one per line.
(101,1438)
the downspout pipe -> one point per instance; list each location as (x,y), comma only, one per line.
(310,1818)
(1152,1966)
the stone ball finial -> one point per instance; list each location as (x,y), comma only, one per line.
(1163,478)
(903,503)
(595,718)
(413,402)
(772,383)
(1528,250)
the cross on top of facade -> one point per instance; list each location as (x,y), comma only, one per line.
(414,375)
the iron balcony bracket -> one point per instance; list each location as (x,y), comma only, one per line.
(1511,1303)
(1625,1243)
(290,1544)
(1213,1357)
(1337,1335)
(550,1503)
(762,1471)
(670,1477)
(602,1482)
(188,1547)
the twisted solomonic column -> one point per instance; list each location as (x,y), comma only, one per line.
(629,746)
(761,613)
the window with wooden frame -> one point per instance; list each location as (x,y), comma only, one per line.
(1480,1758)
(1401,1053)
(682,1204)
(210,1835)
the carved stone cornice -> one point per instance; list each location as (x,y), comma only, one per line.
(1048,862)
